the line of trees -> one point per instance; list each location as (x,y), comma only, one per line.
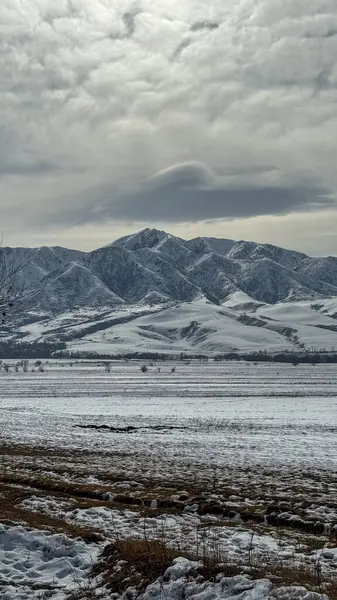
(293,358)
(12,350)
(35,350)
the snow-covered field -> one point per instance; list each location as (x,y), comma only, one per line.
(221,413)
(240,456)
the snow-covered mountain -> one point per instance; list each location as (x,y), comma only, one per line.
(154,266)
(71,287)
(153,271)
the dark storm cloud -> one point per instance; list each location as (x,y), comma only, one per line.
(177,204)
(191,192)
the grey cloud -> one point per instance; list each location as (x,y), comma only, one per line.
(129,19)
(176,205)
(29,168)
(192,192)
(196,27)
(91,87)
(187,175)
(331,33)
(208,25)
(180,48)
(327,34)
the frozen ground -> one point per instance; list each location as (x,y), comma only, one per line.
(233,458)
(187,531)
(223,413)
(180,585)
(37,565)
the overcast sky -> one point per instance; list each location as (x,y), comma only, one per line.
(201,118)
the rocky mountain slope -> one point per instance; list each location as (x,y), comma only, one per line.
(152,291)
(156,267)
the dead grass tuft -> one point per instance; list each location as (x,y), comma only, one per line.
(331,592)
(134,563)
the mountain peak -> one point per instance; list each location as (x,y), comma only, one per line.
(146,238)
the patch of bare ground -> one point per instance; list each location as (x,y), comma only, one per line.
(11,512)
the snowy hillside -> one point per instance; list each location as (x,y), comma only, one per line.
(198,327)
(202,295)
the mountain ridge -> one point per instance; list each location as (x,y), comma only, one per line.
(153,266)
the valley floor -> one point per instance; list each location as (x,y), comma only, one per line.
(205,481)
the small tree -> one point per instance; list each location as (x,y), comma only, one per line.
(13,287)
(144,369)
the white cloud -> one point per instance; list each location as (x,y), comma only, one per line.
(97,94)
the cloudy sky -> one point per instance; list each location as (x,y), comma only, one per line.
(202,118)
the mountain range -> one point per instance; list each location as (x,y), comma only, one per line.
(147,273)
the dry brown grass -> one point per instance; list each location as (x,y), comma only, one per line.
(49,484)
(127,563)
(134,563)
(331,592)
(137,563)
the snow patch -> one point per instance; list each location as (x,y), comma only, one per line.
(33,559)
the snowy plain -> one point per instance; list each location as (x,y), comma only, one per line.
(222,413)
